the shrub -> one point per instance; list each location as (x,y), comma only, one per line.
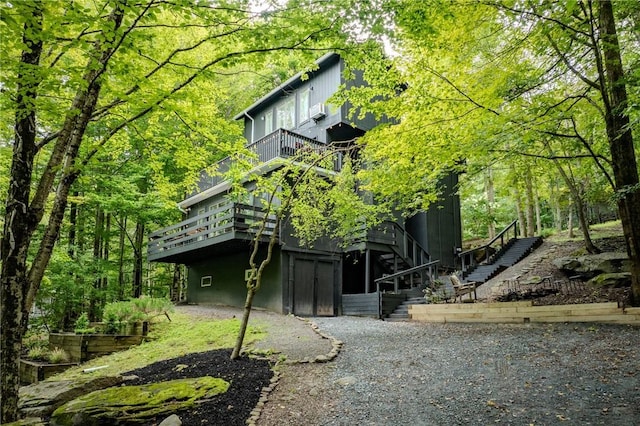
(33,340)
(111,322)
(116,314)
(38,353)
(82,325)
(58,356)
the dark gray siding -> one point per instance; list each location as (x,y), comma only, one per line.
(439,229)
(227,281)
(321,84)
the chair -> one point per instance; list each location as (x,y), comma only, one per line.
(460,288)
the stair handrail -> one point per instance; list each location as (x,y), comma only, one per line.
(399,274)
(469,253)
(409,241)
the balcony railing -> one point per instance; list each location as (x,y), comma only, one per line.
(208,228)
(279,144)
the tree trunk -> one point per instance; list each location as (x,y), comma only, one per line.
(73,219)
(94,299)
(137,260)
(623,159)
(570,223)
(536,200)
(121,247)
(491,199)
(176,284)
(529,203)
(519,212)
(16,234)
(20,281)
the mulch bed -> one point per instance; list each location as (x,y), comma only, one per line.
(247,377)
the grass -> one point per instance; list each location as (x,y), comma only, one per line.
(598,231)
(179,337)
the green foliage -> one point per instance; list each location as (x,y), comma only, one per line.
(147,309)
(181,336)
(57,356)
(82,325)
(37,353)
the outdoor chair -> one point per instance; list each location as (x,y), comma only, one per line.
(460,288)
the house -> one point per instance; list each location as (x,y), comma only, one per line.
(367,278)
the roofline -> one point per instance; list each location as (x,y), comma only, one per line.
(293,81)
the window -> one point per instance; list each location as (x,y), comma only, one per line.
(268,122)
(304,104)
(205,281)
(286,114)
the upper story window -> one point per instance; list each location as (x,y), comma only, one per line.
(286,114)
(305,96)
(268,122)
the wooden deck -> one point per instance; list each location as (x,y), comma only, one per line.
(524,312)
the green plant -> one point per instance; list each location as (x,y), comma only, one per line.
(111,323)
(135,310)
(37,353)
(82,325)
(58,356)
(33,340)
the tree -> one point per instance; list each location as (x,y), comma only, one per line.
(317,203)
(490,81)
(84,72)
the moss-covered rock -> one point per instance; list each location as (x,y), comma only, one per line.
(615,280)
(137,404)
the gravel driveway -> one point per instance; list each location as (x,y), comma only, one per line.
(465,374)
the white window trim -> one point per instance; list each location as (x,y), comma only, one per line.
(206,281)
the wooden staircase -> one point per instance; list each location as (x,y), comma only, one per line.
(513,252)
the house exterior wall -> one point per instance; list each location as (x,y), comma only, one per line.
(228,287)
(439,230)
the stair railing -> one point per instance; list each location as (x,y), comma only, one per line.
(468,258)
(399,274)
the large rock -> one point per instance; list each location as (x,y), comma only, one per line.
(137,404)
(41,399)
(595,264)
(615,280)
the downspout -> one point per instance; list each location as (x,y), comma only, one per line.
(252,126)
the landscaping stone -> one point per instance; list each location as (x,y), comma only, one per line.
(591,265)
(126,404)
(172,420)
(615,280)
(41,399)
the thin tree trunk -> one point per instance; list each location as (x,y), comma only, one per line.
(519,212)
(137,260)
(536,200)
(529,202)
(94,300)
(570,224)
(491,199)
(14,248)
(73,218)
(121,248)
(620,136)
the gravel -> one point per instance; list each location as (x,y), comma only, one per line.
(460,374)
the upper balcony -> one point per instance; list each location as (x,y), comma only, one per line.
(231,223)
(279,144)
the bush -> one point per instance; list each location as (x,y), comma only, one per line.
(116,314)
(33,340)
(58,356)
(82,325)
(38,353)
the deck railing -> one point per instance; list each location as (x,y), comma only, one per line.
(208,226)
(279,144)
